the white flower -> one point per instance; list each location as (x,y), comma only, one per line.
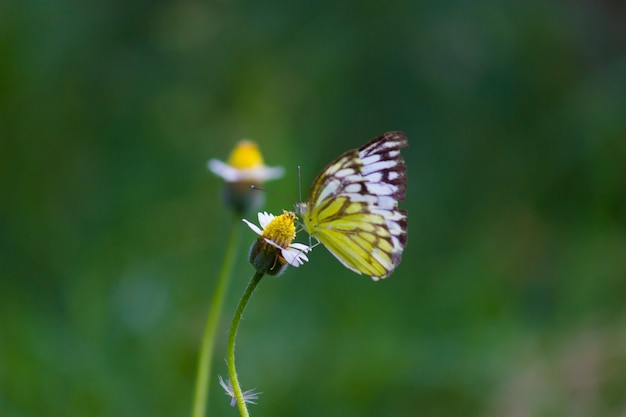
(245,164)
(280,232)
(249,396)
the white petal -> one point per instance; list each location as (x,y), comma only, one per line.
(223,170)
(294,257)
(271,242)
(227,386)
(253,227)
(265,218)
(256,174)
(264,173)
(301,247)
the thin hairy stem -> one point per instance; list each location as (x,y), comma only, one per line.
(230,353)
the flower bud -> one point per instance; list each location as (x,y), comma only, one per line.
(274,250)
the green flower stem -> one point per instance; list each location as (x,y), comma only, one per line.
(208,340)
(230,353)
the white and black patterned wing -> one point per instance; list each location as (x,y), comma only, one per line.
(352,206)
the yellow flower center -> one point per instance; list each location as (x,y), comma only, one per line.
(281,230)
(245,155)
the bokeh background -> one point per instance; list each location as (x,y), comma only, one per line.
(510,300)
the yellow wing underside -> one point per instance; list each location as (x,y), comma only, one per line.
(359,240)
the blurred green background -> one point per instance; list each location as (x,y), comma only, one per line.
(510,301)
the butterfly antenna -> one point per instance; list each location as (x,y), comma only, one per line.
(256,187)
(299,185)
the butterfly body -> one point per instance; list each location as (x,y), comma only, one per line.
(352,207)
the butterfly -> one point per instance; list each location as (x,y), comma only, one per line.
(352,206)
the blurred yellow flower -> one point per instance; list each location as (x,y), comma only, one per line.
(245,164)
(245,167)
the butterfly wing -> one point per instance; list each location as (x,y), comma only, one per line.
(352,207)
